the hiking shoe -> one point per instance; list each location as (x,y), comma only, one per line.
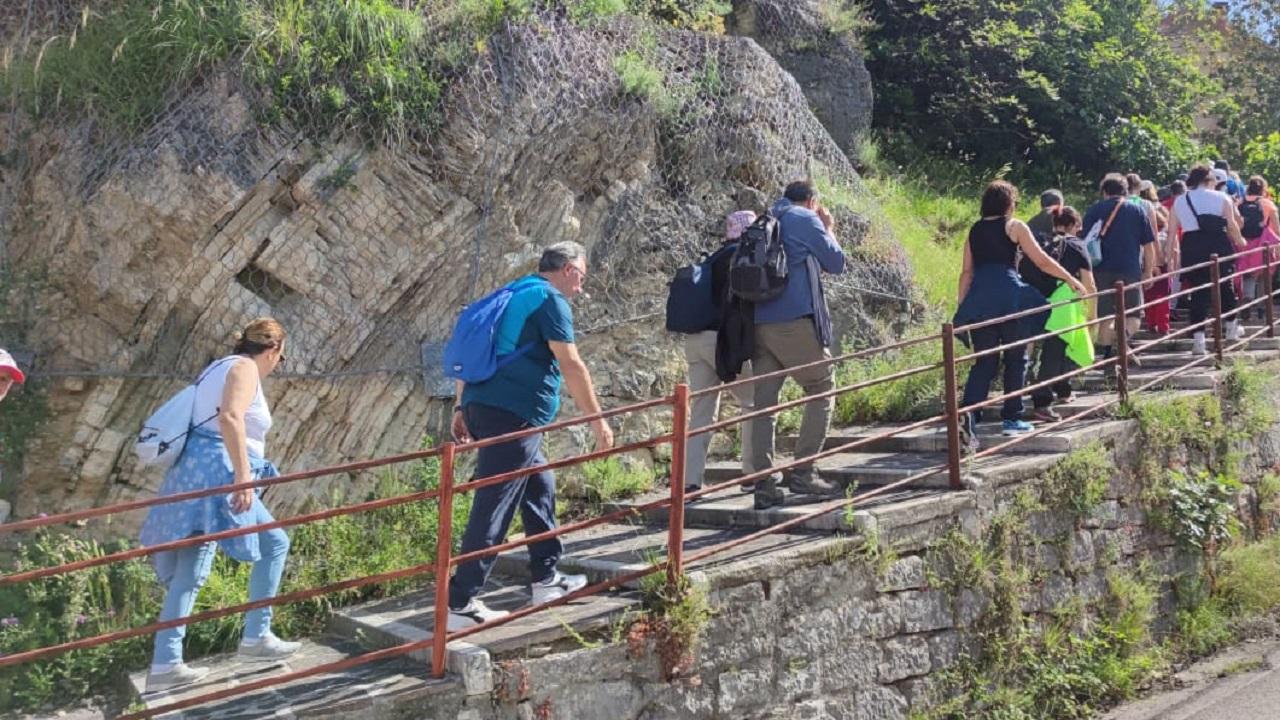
(1045,414)
(768,494)
(269,647)
(1011,428)
(181,674)
(474,613)
(748,487)
(810,484)
(555,587)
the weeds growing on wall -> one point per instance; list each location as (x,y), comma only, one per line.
(676,617)
(124,595)
(1078,482)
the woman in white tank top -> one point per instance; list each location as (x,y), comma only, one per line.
(226,447)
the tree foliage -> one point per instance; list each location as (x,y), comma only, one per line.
(1030,82)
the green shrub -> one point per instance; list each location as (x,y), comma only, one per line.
(1203,628)
(1200,509)
(705,15)
(1151,149)
(614,478)
(361,65)
(1249,576)
(1078,482)
(584,12)
(912,398)
(638,77)
(1262,156)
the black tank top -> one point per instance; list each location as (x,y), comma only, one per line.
(990,244)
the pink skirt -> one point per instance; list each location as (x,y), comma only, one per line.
(1253,261)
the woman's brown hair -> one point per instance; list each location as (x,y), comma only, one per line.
(1065,217)
(999,198)
(259,336)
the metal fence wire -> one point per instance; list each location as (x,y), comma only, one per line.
(130,258)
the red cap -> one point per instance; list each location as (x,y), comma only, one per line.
(9,367)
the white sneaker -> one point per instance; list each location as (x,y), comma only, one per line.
(1235,331)
(1197,344)
(474,613)
(269,647)
(181,674)
(555,587)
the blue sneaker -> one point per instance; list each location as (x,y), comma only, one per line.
(1011,428)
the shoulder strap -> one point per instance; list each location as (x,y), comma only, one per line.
(1192,207)
(1111,218)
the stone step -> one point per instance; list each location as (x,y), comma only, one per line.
(611,550)
(899,513)
(1191,379)
(1169,360)
(934,439)
(410,618)
(1183,344)
(369,691)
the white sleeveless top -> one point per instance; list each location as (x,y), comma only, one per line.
(257,419)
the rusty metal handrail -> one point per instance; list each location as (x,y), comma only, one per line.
(675,503)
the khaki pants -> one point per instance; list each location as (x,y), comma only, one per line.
(786,345)
(700,351)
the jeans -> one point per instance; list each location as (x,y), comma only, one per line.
(184,571)
(494,506)
(786,345)
(700,351)
(1053,362)
(983,372)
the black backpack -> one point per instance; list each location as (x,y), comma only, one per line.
(758,270)
(691,303)
(1054,246)
(1251,211)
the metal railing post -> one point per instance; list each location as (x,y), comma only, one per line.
(1122,345)
(1268,307)
(1215,296)
(679,446)
(952,404)
(444,547)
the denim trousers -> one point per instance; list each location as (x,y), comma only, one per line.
(184,571)
(493,507)
(978,387)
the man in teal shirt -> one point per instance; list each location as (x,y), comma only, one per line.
(525,392)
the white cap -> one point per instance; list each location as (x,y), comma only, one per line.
(1220,175)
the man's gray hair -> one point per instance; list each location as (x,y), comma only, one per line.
(561,254)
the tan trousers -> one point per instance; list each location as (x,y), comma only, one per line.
(787,345)
(700,351)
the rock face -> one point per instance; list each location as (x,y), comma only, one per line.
(153,254)
(829,67)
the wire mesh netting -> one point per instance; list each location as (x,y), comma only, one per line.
(130,258)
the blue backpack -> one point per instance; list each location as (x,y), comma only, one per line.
(472,352)
(691,307)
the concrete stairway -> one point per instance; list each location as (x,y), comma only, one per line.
(612,550)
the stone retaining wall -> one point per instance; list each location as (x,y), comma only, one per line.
(832,631)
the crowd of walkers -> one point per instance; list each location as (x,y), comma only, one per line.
(1135,234)
(754,304)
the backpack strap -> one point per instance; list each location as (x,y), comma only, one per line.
(1111,218)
